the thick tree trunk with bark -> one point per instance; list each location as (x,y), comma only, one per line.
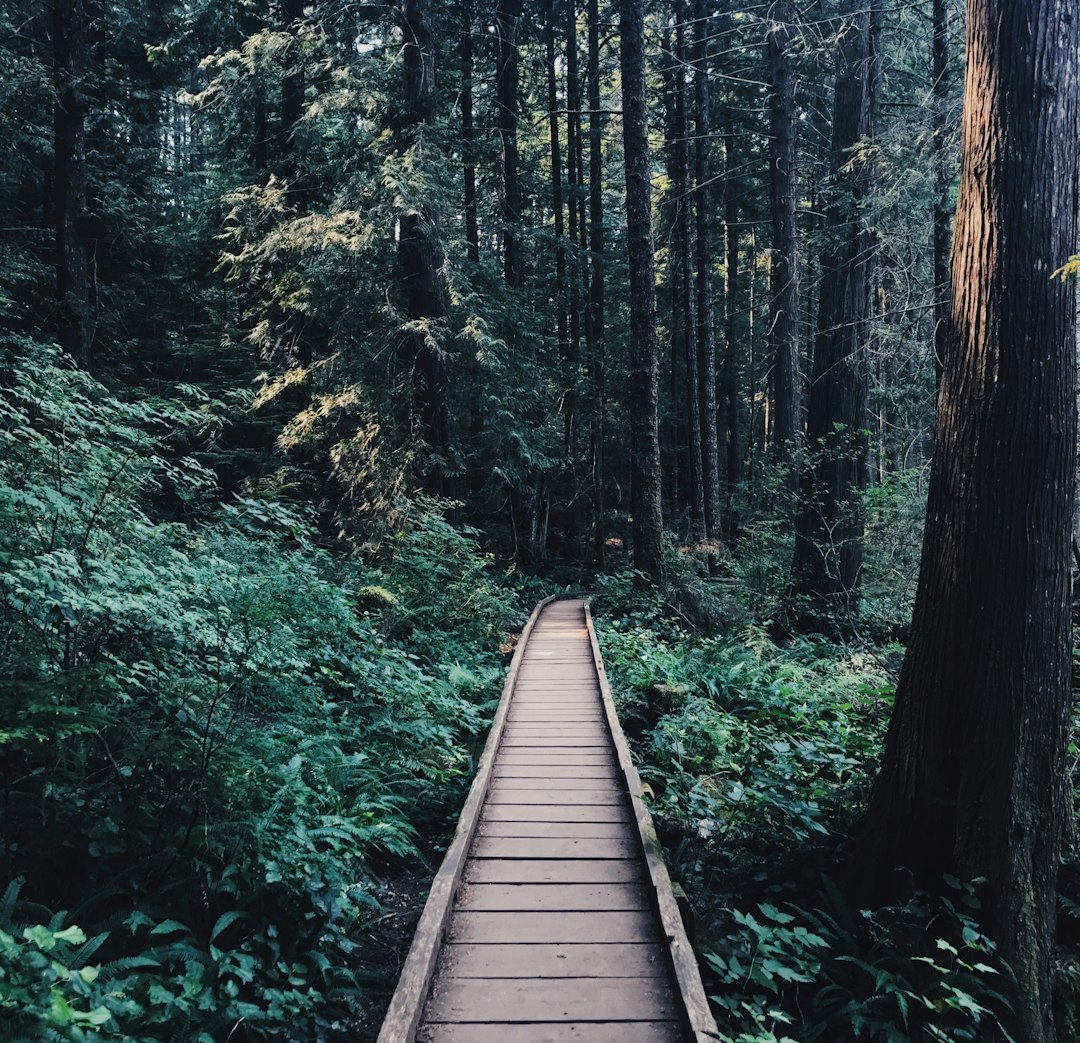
(642,401)
(71,60)
(706,330)
(786,380)
(507,20)
(973,781)
(594,319)
(420,257)
(939,72)
(827,564)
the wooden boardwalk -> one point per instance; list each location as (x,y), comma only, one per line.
(552,917)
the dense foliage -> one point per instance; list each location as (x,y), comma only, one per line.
(217,736)
(757,758)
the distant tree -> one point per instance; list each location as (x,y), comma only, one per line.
(786,383)
(71,78)
(642,401)
(973,781)
(706,329)
(827,565)
(420,257)
(595,311)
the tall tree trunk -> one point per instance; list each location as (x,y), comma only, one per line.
(420,256)
(730,375)
(683,313)
(576,273)
(785,412)
(71,60)
(973,780)
(827,564)
(468,134)
(644,440)
(939,73)
(567,362)
(507,20)
(594,319)
(294,343)
(706,332)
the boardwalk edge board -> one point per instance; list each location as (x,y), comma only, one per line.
(403,1016)
(699,1017)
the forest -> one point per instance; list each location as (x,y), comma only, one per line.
(335,335)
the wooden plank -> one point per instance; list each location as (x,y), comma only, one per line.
(618,960)
(552,897)
(555,758)
(568,848)
(559,813)
(573,999)
(529,928)
(600,830)
(551,782)
(695,1006)
(403,1014)
(552,871)
(521,714)
(556,730)
(546,1032)
(555,797)
(570,772)
(598,741)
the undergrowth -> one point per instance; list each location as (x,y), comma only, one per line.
(217,738)
(756,757)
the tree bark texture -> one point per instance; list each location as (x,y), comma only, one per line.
(468,134)
(507,21)
(642,401)
(706,330)
(939,71)
(827,563)
(786,378)
(71,59)
(683,313)
(973,781)
(729,376)
(594,319)
(420,256)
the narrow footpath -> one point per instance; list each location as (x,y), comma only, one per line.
(556,920)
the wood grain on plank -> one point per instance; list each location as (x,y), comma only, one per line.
(568,848)
(572,773)
(499,794)
(546,999)
(494,927)
(555,830)
(554,813)
(566,1032)
(553,871)
(552,897)
(617,960)
(550,782)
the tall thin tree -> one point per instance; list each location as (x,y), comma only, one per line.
(706,329)
(827,564)
(71,63)
(785,414)
(595,317)
(642,400)
(420,256)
